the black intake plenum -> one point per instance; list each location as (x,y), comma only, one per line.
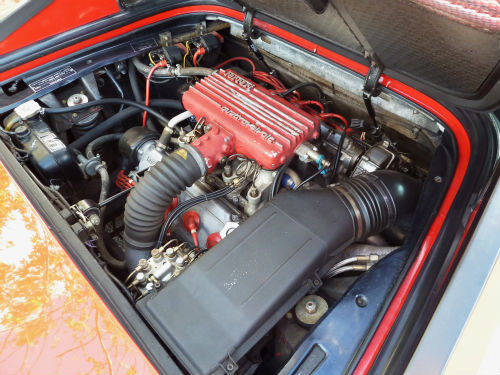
(237,291)
(148,201)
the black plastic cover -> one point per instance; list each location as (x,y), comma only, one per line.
(220,306)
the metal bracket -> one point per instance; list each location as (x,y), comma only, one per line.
(166,39)
(201,28)
(229,365)
(315,283)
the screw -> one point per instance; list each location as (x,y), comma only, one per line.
(311,307)
(226,139)
(438,179)
(229,367)
(361,300)
(316,282)
(140,277)
(236,200)
(155,253)
(234,217)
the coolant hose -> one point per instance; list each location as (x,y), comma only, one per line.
(90,149)
(171,72)
(118,119)
(105,183)
(136,91)
(134,84)
(147,203)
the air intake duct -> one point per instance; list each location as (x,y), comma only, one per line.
(242,286)
(148,201)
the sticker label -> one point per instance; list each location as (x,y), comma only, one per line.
(182,153)
(141,46)
(52,143)
(52,79)
(47,137)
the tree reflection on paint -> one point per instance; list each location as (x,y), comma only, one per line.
(51,320)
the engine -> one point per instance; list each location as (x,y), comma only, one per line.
(233,207)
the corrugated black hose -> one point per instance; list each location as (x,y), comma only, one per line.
(148,201)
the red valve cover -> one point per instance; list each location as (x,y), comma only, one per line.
(247,119)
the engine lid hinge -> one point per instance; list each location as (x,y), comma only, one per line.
(249,33)
(371,87)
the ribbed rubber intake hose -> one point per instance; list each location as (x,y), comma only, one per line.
(348,211)
(376,200)
(146,205)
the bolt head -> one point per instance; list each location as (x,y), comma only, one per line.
(361,300)
(438,179)
(170,252)
(155,253)
(140,277)
(143,263)
(94,219)
(179,261)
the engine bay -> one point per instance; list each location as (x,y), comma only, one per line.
(231,195)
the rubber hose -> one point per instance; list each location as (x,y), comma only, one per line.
(134,84)
(136,91)
(105,183)
(167,72)
(146,205)
(377,200)
(90,149)
(105,254)
(118,118)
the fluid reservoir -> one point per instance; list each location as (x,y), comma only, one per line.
(47,153)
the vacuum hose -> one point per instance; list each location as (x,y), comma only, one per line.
(146,205)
